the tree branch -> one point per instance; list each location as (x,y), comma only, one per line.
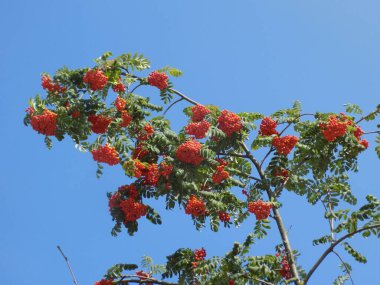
(278,219)
(369,115)
(144,281)
(68,265)
(171,105)
(331,248)
(183,96)
(345,266)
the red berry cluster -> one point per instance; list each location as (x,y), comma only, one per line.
(224,217)
(199,113)
(284,145)
(229,123)
(231,282)
(334,128)
(220,174)
(200,254)
(190,152)
(195,207)
(151,173)
(104,282)
(114,200)
(146,133)
(158,79)
(260,209)
(143,276)
(132,209)
(268,127)
(285,267)
(127,119)
(358,133)
(45,124)
(198,130)
(119,87)
(120,104)
(139,151)
(48,85)
(96,79)
(281,172)
(106,154)
(75,114)
(364,143)
(99,123)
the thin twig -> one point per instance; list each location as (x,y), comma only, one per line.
(68,265)
(369,115)
(345,266)
(331,248)
(133,90)
(184,96)
(171,105)
(374,132)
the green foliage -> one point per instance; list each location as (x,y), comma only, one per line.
(318,169)
(117,270)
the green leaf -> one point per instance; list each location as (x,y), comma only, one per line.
(175,72)
(353,108)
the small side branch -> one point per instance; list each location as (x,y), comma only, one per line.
(136,279)
(171,105)
(345,266)
(184,97)
(68,265)
(331,248)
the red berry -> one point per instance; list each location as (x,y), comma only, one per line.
(127,119)
(190,152)
(260,209)
(96,79)
(229,123)
(158,79)
(198,130)
(45,124)
(224,217)
(120,104)
(199,113)
(106,154)
(220,174)
(99,123)
(284,145)
(104,282)
(195,207)
(334,128)
(268,127)
(199,254)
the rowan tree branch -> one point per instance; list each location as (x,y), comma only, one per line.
(277,218)
(144,281)
(68,265)
(331,248)
(345,266)
(171,105)
(183,96)
(369,115)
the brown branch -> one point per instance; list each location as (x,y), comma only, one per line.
(278,219)
(331,248)
(369,115)
(68,265)
(374,132)
(345,266)
(171,105)
(145,281)
(183,96)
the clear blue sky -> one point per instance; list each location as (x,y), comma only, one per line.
(243,55)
